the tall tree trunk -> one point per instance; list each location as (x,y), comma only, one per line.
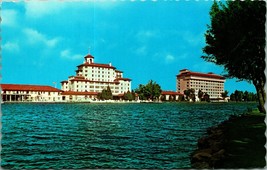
(261,97)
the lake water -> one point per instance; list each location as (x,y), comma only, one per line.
(107,135)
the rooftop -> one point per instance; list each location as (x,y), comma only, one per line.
(23,87)
(89,56)
(97,65)
(170,93)
(197,74)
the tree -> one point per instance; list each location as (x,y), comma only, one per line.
(190,94)
(238,95)
(206,97)
(129,96)
(232,97)
(243,96)
(246,96)
(151,91)
(106,94)
(235,39)
(224,94)
(200,95)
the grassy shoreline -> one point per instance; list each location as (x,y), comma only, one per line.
(235,143)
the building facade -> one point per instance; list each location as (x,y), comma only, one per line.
(33,93)
(171,96)
(94,77)
(209,83)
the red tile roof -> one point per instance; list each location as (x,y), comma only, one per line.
(75,79)
(208,75)
(124,79)
(65,81)
(170,93)
(23,87)
(78,93)
(88,56)
(118,71)
(79,77)
(97,65)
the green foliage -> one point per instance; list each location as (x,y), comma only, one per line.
(200,94)
(190,94)
(206,97)
(129,96)
(106,94)
(225,94)
(239,96)
(151,91)
(163,98)
(235,39)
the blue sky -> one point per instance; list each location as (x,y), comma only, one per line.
(44,41)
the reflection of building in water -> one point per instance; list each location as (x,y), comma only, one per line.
(209,83)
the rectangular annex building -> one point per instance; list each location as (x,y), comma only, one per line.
(209,83)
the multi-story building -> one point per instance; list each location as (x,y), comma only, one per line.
(209,83)
(93,77)
(34,93)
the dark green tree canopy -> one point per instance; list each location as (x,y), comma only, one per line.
(106,94)
(235,39)
(129,96)
(151,91)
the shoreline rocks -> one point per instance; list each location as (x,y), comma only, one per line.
(211,152)
(238,142)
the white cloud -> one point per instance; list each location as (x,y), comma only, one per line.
(145,35)
(141,50)
(66,54)
(34,37)
(9,18)
(11,46)
(169,58)
(37,9)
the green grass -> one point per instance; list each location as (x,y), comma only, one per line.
(245,140)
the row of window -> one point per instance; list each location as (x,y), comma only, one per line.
(100,90)
(29,92)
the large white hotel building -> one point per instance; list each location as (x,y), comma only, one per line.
(93,77)
(209,83)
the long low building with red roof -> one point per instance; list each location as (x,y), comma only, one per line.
(22,92)
(171,95)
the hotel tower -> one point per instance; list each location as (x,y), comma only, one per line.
(93,77)
(210,83)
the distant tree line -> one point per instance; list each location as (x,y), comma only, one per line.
(243,96)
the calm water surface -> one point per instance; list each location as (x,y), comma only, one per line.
(107,135)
